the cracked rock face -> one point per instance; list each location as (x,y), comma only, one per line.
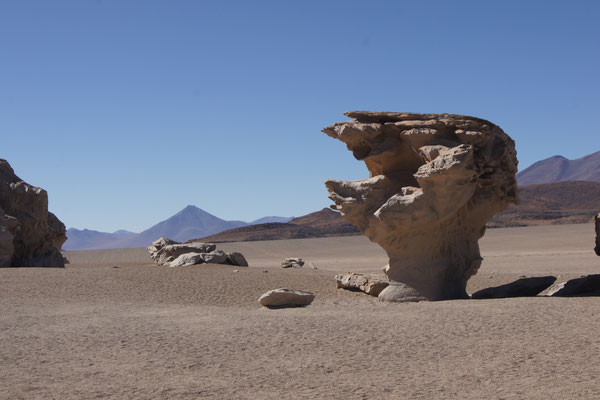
(435,180)
(30,236)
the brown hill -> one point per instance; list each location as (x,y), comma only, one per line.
(322,223)
(552,203)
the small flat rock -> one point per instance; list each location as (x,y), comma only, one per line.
(400,293)
(524,287)
(359,282)
(284,297)
(292,262)
(585,285)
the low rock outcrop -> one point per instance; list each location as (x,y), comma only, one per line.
(283,297)
(358,282)
(165,251)
(435,180)
(582,286)
(30,236)
(524,287)
(597,220)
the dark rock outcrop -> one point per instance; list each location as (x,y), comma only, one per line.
(30,236)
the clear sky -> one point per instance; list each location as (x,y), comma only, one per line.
(127,111)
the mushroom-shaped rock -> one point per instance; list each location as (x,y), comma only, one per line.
(435,180)
(30,236)
(524,287)
(284,297)
(359,282)
(597,220)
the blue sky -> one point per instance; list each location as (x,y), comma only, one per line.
(127,111)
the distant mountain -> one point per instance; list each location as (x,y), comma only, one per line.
(551,204)
(123,232)
(266,220)
(560,169)
(318,224)
(188,223)
(90,240)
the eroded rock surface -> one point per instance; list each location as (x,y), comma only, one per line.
(597,249)
(30,236)
(165,251)
(284,297)
(435,180)
(365,283)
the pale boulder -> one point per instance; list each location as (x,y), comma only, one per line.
(164,250)
(215,257)
(284,297)
(398,292)
(434,181)
(365,283)
(187,259)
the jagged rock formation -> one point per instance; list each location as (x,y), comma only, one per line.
(435,180)
(30,236)
(597,249)
(165,251)
(283,297)
(358,282)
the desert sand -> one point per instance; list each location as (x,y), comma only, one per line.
(111,325)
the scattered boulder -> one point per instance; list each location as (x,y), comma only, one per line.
(397,292)
(525,287)
(286,298)
(292,263)
(582,286)
(597,220)
(30,236)
(165,251)
(187,259)
(359,282)
(236,258)
(215,257)
(435,180)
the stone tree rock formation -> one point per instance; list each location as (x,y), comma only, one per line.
(30,236)
(435,180)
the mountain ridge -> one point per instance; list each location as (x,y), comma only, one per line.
(188,223)
(560,169)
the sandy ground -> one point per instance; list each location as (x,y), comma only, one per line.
(141,331)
